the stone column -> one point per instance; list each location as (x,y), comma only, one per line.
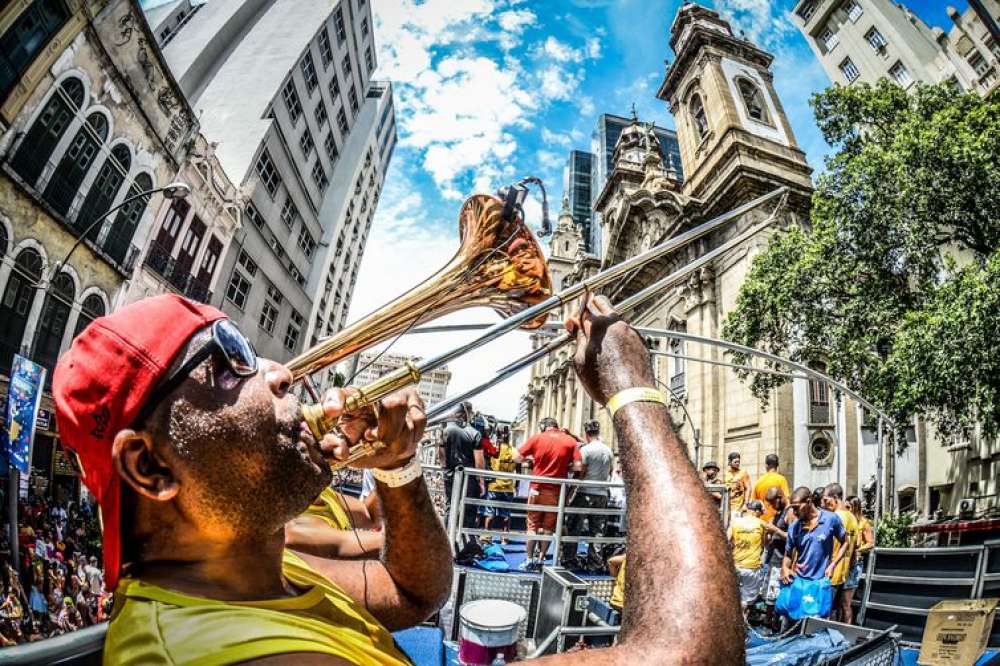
(28,339)
(74,316)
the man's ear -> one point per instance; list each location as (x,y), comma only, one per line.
(143,469)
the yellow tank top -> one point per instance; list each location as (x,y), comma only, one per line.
(748,542)
(844,566)
(618,593)
(329,508)
(504,462)
(151,625)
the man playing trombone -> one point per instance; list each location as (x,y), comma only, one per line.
(197,453)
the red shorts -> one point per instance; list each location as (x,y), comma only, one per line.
(542,520)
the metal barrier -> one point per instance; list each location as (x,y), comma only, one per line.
(902,584)
(83,647)
(460,503)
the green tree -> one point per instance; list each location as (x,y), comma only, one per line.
(894,284)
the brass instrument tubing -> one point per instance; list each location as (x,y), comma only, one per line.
(624,306)
(592,283)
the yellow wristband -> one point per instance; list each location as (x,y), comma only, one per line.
(636,394)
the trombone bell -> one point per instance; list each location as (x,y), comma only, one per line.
(498,265)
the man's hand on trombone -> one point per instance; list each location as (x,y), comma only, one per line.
(397,421)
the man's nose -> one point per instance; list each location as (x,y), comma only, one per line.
(277,376)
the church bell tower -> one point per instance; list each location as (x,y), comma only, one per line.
(735,140)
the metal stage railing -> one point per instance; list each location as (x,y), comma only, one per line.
(461,503)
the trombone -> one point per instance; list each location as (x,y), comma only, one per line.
(499,264)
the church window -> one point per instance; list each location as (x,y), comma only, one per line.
(819,397)
(849,70)
(753,101)
(699,118)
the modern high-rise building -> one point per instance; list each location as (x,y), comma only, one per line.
(577,189)
(373,365)
(866,40)
(602,147)
(283,89)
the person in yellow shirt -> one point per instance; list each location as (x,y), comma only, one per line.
(770,479)
(198,455)
(501,490)
(746,535)
(833,500)
(738,482)
(335,525)
(616,567)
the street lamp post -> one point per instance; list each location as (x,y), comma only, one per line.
(175,190)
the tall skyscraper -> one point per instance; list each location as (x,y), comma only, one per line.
(873,39)
(603,141)
(578,191)
(283,87)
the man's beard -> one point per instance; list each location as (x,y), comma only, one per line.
(253,474)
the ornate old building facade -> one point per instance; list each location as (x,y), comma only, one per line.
(736,144)
(92,128)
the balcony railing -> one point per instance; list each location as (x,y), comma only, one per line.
(159,261)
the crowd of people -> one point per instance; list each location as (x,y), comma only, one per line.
(792,547)
(553,453)
(57,583)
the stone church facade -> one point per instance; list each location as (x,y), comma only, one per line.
(736,144)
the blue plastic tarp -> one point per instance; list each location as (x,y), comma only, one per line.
(807,650)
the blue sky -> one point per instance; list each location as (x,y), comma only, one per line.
(488,91)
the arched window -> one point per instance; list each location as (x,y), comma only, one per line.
(102,193)
(753,101)
(3,240)
(76,162)
(52,325)
(16,305)
(93,307)
(41,139)
(123,228)
(698,117)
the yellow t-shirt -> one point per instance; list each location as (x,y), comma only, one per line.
(860,540)
(733,481)
(330,509)
(151,625)
(618,593)
(844,566)
(766,482)
(748,542)
(503,462)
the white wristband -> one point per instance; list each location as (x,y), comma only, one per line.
(394,478)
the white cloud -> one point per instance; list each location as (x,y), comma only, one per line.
(516,20)
(555,138)
(763,22)
(593,48)
(558,83)
(559,51)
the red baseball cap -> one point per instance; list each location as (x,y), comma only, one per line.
(102,382)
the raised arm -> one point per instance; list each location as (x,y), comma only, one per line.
(412,578)
(680,587)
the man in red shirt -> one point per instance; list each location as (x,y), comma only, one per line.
(553,452)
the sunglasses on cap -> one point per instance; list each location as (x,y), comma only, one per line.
(227,344)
